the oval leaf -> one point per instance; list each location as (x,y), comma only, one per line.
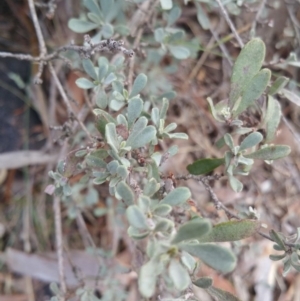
(203,282)
(251,140)
(84,83)
(125,193)
(179,275)
(147,279)
(177,196)
(89,68)
(231,231)
(142,138)
(138,85)
(166,4)
(273,152)
(204,166)
(111,136)
(272,119)
(253,90)
(136,217)
(192,230)
(179,52)
(278,85)
(135,108)
(217,257)
(81,26)
(246,67)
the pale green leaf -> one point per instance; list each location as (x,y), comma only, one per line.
(179,275)
(251,140)
(247,65)
(135,108)
(273,152)
(125,193)
(89,68)
(235,184)
(166,4)
(147,279)
(136,217)
(192,230)
(81,26)
(84,83)
(217,257)
(272,118)
(253,90)
(111,136)
(278,85)
(179,52)
(138,85)
(177,196)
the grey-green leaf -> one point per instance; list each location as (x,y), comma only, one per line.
(138,85)
(213,110)
(273,152)
(166,4)
(179,52)
(84,83)
(135,107)
(81,26)
(147,279)
(217,257)
(125,193)
(177,196)
(204,166)
(231,231)
(111,136)
(179,275)
(101,99)
(162,209)
(221,294)
(89,68)
(136,217)
(202,17)
(142,137)
(203,282)
(278,85)
(192,230)
(151,187)
(107,30)
(251,140)
(272,118)
(253,90)
(173,15)
(246,67)
(235,184)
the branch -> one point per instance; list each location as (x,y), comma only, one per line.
(219,205)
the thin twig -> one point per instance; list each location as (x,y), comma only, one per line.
(229,22)
(219,205)
(67,101)
(59,244)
